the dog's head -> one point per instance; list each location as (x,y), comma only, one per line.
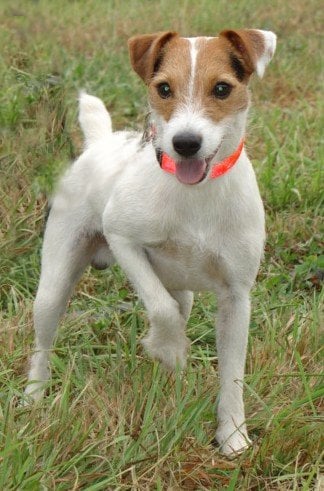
(198,92)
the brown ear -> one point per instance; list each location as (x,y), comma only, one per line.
(145,52)
(254,46)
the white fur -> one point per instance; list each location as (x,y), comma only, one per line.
(191,119)
(270,40)
(94,120)
(170,239)
(193,58)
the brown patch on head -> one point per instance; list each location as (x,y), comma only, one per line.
(248,44)
(146,52)
(214,64)
(191,70)
(175,69)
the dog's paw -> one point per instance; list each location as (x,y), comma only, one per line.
(172,352)
(34,392)
(232,441)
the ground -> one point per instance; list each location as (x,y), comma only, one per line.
(113,419)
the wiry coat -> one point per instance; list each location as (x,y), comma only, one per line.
(171,238)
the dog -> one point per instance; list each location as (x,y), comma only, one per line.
(178,208)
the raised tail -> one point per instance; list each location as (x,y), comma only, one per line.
(94,118)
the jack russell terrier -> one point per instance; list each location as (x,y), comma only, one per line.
(178,209)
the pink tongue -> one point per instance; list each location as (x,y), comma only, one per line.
(190,171)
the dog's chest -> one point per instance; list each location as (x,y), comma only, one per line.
(183,265)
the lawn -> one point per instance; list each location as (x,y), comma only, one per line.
(113,419)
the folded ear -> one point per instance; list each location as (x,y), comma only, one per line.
(146,52)
(255,47)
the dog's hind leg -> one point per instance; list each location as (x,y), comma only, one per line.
(66,253)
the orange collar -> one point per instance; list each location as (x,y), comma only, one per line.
(217,170)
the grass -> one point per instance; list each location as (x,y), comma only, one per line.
(113,419)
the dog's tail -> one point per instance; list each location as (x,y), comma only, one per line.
(94,118)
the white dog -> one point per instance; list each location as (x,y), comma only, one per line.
(193,223)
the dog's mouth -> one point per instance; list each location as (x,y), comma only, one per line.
(190,171)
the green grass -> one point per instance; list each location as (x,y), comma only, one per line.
(113,419)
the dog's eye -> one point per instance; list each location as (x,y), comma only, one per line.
(164,90)
(222,90)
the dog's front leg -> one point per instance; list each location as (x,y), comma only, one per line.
(232,335)
(166,339)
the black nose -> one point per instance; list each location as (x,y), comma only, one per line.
(186,144)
